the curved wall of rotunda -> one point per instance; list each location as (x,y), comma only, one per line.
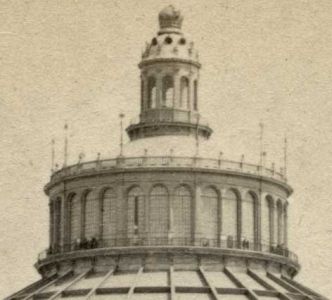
(168,207)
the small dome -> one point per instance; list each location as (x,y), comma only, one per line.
(169,17)
(170,45)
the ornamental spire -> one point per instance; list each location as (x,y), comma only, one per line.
(169,84)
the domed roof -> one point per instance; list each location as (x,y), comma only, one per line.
(170,17)
(170,45)
(202,283)
(170,41)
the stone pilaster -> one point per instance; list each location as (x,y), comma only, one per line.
(272,220)
(286,225)
(177,89)
(51,216)
(197,215)
(220,218)
(258,222)
(239,219)
(159,87)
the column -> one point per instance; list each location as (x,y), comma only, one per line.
(258,227)
(159,85)
(65,219)
(194,94)
(177,90)
(55,221)
(239,220)
(51,230)
(83,207)
(220,219)
(101,215)
(145,94)
(273,233)
(190,96)
(280,222)
(286,225)
(122,214)
(146,199)
(67,223)
(196,222)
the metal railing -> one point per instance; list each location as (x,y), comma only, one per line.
(167,162)
(228,243)
(166,114)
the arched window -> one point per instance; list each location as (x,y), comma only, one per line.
(230,215)
(184,99)
(209,213)
(57,221)
(248,217)
(181,210)
(109,215)
(195,95)
(267,219)
(167,91)
(135,219)
(74,218)
(152,92)
(158,213)
(91,216)
(280,226)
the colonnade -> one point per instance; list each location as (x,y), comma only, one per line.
(169,90)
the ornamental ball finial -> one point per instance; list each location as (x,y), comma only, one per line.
(169,17)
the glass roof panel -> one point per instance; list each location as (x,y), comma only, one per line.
(187,278)
(120,280)
(219,279)
(153,279)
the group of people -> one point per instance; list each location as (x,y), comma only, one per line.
(85,243)
(233,243)
(90,243)
(280,249)
(53,250)
(245,244)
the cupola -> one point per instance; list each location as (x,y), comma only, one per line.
(169,84)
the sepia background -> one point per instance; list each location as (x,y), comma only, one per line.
(263,60)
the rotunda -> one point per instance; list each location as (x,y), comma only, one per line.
(168,224)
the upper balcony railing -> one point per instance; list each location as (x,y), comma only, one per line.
(167,115)
(229,243)
(167,162)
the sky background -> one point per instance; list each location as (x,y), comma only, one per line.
(77,61)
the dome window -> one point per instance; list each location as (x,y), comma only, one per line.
(168,40)
(154,41)
(182,41)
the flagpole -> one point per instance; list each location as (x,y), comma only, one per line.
(121,115)
(261,125)
(53,156)
(65,161)
(285,156)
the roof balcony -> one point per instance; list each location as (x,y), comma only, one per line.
(166,162)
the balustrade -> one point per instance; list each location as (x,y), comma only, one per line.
(167,161)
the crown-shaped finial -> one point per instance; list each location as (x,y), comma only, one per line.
(169,17)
